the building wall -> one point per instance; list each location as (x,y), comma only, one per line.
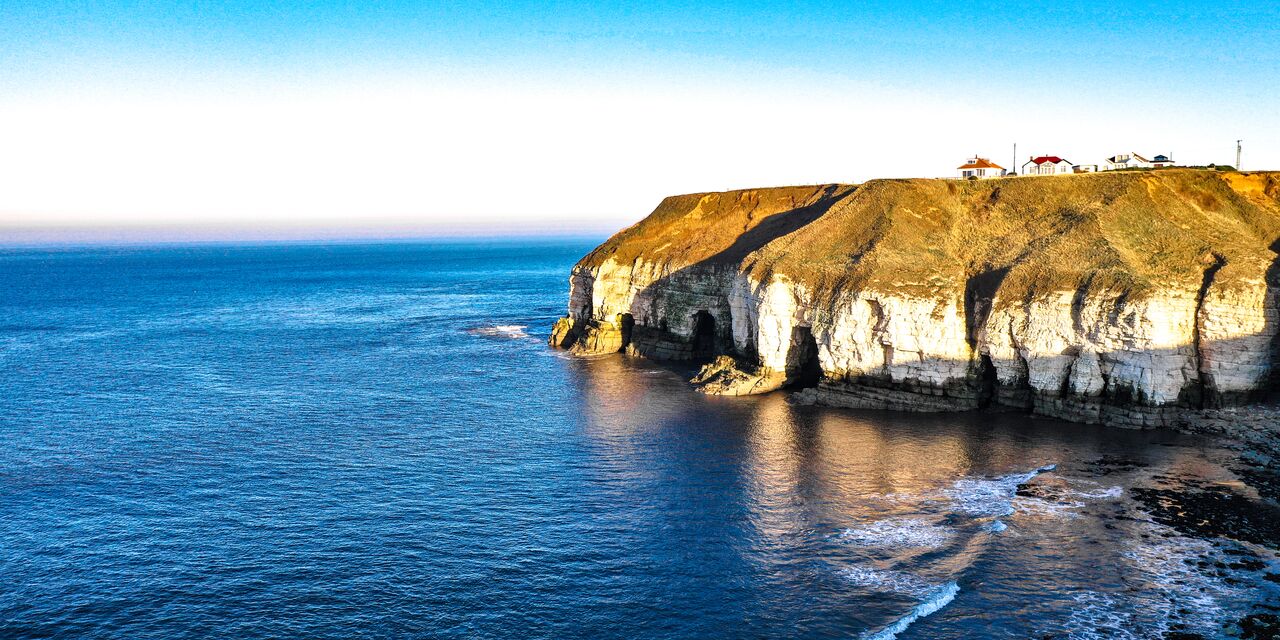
(981,173)
(1046,169)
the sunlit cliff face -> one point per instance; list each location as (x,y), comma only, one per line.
(1085,297)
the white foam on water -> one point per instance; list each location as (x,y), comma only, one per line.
(1169,590)
(1047,508)
(986,497)
(512,331)
(998,497)
(899,532)
(1098,616)
(1109,493)
(998,526)
(936,600)
(1067,498)
(898,582)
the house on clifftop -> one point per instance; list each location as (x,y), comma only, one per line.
(1127,161)
(1047,166)
(977,167)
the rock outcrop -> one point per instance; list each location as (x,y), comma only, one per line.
(1123,298)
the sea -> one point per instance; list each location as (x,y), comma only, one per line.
(374,441)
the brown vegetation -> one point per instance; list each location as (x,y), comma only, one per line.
(1131,231)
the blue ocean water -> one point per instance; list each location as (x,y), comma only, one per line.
(374,441)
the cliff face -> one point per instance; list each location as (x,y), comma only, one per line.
(1121,298)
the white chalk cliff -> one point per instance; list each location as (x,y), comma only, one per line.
(1120,298)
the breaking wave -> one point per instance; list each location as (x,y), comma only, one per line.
(899,532)
(510,331)
(986,497)
(899,582)
(936,600)
(1175,584)
(979,501)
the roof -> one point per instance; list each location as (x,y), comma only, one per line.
(1132,156)
(980,163)
(1052,159)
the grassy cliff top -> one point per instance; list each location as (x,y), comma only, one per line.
(1132,231)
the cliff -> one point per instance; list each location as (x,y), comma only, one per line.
(1122,298)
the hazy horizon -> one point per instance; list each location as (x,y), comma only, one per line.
(35,238)
(324,118)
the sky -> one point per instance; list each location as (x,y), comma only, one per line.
(341,119)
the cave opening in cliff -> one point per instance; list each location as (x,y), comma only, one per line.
(803,368)
(704,336)
(987,380)
(625,325)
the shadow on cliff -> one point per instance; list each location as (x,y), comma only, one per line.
(774,227)
(1273,284)
(705,321)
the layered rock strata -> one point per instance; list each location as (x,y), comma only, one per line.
(1121,298)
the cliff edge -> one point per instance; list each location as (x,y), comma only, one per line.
(1123,298)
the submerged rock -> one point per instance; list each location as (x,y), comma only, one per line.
(727,376)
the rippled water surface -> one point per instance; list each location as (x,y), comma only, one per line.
(373,441)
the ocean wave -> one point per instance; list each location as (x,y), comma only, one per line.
(1102,494)
(1175,583)
(899,532)
(987,497)
(977,498)
(936,600)
(510,331)
(1063,498)
(899,582)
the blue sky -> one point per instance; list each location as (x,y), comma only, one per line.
(1162,47)
(588,113)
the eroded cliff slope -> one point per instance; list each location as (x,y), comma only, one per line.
(1118,297)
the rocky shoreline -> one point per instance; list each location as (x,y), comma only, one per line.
(1256,429)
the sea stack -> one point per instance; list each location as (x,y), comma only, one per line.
(1122,298)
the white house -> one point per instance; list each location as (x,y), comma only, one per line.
(977,167)
(1046,166)
(1127,161)
(1162,161)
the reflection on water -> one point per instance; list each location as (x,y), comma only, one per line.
(374,441)
(873,521)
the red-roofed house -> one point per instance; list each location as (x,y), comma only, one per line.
(1046,166)
(977,167)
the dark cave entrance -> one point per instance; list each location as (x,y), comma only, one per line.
(986,382)
(704,336)
(803,367)
(625,324)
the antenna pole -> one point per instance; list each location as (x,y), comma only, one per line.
(1013,168)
